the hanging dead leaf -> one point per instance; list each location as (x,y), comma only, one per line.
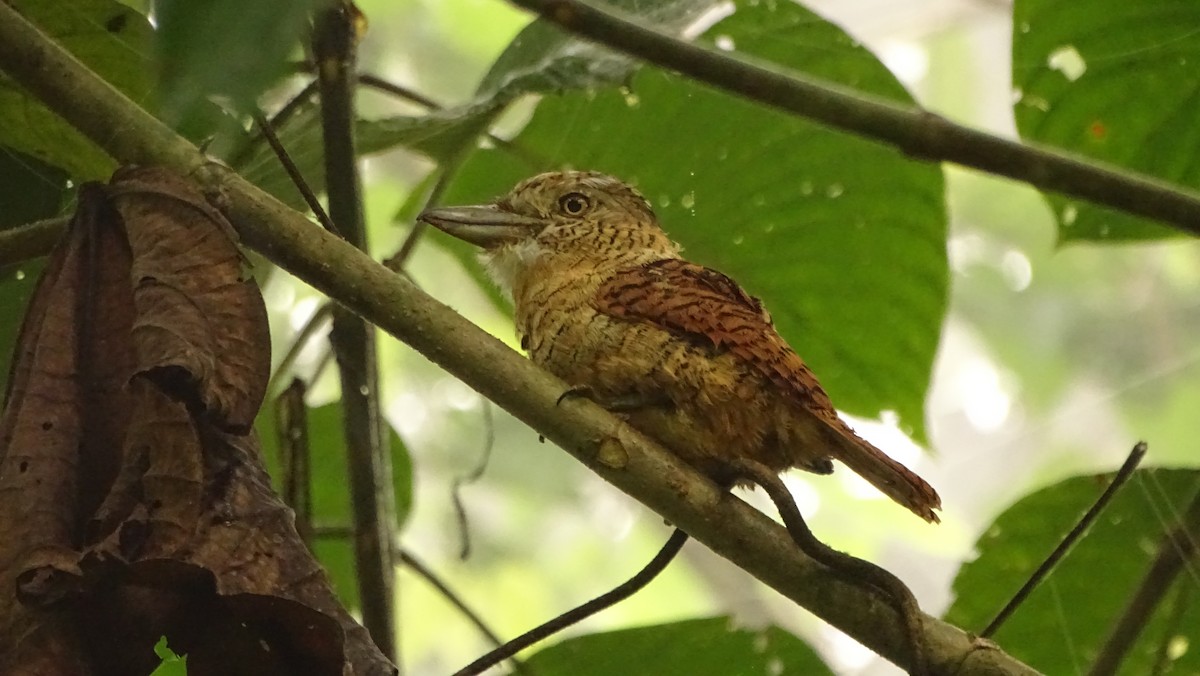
(133,502)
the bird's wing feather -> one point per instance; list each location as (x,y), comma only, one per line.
(703,304)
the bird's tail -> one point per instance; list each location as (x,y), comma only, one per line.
(891,478)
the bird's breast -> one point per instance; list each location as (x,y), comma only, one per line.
(560,327)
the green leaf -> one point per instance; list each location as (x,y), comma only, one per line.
(172,664)
(843,239)
(1115,81)
(226,48)
(30,190)
(108,37)
(695,647)
(1059,628)
(331,502)
(542,59)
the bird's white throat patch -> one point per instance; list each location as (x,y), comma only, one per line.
(505,263)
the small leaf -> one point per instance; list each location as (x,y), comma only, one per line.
(706,647)
(543,58)
(172,664)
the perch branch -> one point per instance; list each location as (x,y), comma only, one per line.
(628,460)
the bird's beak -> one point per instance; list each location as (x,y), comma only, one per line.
(485,226)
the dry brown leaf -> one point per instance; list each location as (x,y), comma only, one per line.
(133,502)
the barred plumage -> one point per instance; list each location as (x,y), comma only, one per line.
(603,300)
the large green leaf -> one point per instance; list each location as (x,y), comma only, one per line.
(331,503)
(30,190)
(111,39)
(843,239)
(226,48)
(707,647)
(1116,81)
(1061,625)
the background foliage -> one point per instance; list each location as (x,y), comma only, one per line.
(1021,339)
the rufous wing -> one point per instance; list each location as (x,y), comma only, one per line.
(703,304)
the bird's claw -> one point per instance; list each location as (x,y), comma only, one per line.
(624,403)
(575,391)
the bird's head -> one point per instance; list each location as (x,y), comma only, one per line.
(565,219)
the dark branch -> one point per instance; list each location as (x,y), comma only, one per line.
(918,133)
(335,42)
(1177,549)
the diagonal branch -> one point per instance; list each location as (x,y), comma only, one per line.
(916,132)
(628,460)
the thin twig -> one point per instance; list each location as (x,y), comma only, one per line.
(334,42)
(423,571)
(1085,522)
(277,121)
(293,172)
(1177,548)
(916,132)
(398,260)
(578,613)
(853,569)
(476,473)
(400,91)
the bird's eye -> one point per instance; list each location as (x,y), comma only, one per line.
(573,203)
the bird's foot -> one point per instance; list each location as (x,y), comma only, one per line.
(624,403)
